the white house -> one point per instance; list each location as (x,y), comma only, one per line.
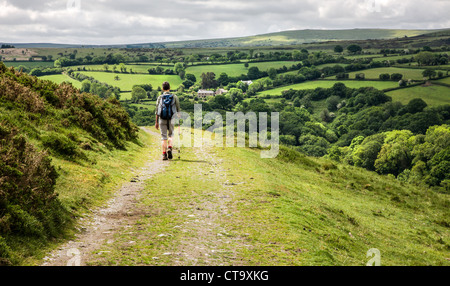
(248,82)
(203,93)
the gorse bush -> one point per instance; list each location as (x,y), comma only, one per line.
(40,119)
(60,144)
(28,203)
(106,120)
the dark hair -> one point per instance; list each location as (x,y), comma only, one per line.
(166,85)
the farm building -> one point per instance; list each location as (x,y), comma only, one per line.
(202,93)
(221,91)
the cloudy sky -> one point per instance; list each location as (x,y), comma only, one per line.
(139,21)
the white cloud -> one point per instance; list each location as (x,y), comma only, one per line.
(139,21)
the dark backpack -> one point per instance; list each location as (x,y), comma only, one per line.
(167,106)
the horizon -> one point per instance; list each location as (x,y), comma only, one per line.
(218,38)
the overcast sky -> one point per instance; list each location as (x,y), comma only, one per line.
(139,21)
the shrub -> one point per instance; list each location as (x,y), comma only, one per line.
(384,76)
(59,143)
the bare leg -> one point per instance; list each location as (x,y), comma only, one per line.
(164,146)
(170,141)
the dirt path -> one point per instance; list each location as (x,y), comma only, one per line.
(120,213)
(208,242)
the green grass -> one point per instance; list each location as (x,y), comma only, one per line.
(292,210)
(127,81)
(329,83)
(414,74)
(235,70)
(84,186)
(433,95)
(445,80)
(59,78)
(139,68)
(30,65)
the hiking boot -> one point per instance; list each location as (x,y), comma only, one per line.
(164,156)
(169,153)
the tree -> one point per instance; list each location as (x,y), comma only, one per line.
(272,73)
(235,95)
(338,49)
(188,83)
(178,67)
(253,73)
(208,80)
(365,154)
(396,76)
(223,79)
(85,86)
(425,58)
(384,76)
(395,154)
(137,94)
(429,73)
(122,68)
(325,115)
(354,48)
(416,105)
(190,77)
(332,102)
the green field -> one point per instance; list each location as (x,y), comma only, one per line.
(139,68)
(30,65)
(329,83)
(445,80)
(59,78)
(127,81)
(433,95)
(414,74)
(235,70)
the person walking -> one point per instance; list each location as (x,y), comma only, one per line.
(167,106)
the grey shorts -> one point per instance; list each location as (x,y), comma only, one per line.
(166,126)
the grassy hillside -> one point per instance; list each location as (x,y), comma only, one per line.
(61,153)
(227,206)
(298,37)
(127,81)
(329,83)
(433,95)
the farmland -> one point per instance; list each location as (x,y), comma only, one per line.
(414,74)
(433,95)
(127,81)
(330,83)
(59,78)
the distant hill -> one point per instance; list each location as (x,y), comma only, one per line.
(293,37)
(300,37)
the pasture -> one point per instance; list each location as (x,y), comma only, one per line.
(433,95)
(59,78)
(413,74)
(235,70)
(127,81)
(329,83)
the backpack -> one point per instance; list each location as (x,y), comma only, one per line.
(166,107)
